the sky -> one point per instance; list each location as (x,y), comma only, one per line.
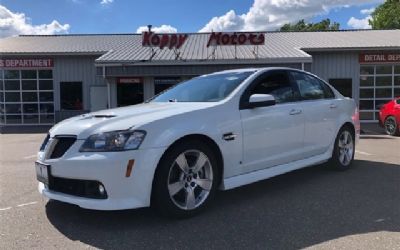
(124,16)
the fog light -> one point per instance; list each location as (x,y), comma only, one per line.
(102,190)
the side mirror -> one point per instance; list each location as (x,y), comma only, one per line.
(261,100)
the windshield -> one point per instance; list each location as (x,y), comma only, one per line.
(208,88)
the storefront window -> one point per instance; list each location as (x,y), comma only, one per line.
(11,74)
(383,81)
(378,85)
(45,74)
(29,74)
(367,70)
(384,69)
(397,81)
(21,99)
(12,85)
(367,81)
(383,93)
(29,84)
(397,92)
(397,69)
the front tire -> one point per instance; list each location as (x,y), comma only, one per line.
(344,149)
(391,126)
(186,179)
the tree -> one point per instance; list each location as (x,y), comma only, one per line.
(303,26)
(386,15)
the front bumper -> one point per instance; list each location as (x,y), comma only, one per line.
(108,168)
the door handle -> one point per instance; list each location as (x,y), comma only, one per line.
(332,106)
(295,112)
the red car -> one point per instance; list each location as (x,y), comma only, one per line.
(389,117)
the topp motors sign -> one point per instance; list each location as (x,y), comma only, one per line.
(175,41)
(233,38)
(170,41)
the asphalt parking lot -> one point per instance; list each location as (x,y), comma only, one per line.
(310,208)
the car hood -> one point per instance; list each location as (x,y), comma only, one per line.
(122,118)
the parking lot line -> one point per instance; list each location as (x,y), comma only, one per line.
(362,153)
(26,204)
(5,208)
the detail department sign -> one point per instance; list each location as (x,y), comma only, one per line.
(26,63)
(379,58)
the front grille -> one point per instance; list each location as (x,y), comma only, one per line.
(81,188)
(61,146)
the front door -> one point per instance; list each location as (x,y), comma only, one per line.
(129,91)
(320,113)
(272,135)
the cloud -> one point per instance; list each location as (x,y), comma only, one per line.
(359,23)
(272,14)
(161,29)
(106,2)
(367,11)
(12,24)
(362,23)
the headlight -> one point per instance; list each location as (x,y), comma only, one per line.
(114,141)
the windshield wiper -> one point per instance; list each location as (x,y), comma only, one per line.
(172,100)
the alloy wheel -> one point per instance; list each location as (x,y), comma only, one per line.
(390,126)
(190,179)
(346,148)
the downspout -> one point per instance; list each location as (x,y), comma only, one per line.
(108,88)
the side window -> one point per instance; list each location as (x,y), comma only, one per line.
(276,84)
(310,88)
(327,90)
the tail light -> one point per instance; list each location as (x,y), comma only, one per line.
(356,120)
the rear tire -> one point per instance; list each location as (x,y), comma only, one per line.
(185,180)
(344,149)
(391,126)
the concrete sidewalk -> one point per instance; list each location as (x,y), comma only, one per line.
(372,129)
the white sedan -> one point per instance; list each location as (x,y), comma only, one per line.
(217,131)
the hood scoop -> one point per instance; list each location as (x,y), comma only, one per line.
(87,117)
(104,116)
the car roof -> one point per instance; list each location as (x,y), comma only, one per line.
(255,70)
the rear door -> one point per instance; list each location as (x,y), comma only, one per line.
(272,135)
(320,112)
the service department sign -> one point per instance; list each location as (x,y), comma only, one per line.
(26,63)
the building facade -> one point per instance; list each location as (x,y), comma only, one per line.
(45,79)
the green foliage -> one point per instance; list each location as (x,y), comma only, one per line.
(386,15)
(303,26)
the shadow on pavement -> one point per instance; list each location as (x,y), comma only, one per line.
(295,210)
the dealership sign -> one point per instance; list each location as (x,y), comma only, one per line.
(379,58)
(26,63)
(233,38)
(171,41)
